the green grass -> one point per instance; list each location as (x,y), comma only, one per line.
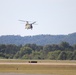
(38,69)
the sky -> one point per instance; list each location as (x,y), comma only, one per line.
(54,17)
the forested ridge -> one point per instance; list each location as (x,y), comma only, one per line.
(62,51)
(38,39)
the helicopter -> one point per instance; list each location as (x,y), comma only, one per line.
(28,25)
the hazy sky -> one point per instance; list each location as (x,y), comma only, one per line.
(53,16)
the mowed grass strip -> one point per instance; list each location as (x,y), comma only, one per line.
(13,61)
(39,61)
(38,69)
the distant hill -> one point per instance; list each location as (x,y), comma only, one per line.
(38,39)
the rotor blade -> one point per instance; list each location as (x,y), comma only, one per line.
(22,20)
(33,22)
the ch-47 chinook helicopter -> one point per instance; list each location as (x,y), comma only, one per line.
(28,25)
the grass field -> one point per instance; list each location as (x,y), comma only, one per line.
(52,67)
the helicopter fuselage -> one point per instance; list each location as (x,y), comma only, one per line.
(28,26)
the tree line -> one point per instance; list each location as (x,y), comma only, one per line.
(62,51)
